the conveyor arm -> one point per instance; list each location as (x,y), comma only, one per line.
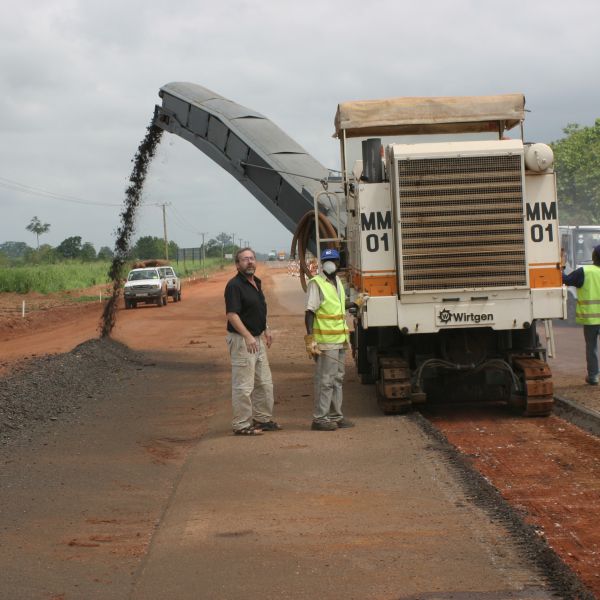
(272,166)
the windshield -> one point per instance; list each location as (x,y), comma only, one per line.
(145,274)
(585,242)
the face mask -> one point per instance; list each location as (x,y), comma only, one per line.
(329,267)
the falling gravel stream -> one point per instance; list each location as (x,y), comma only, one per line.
(133,196)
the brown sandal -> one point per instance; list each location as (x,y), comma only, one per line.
(248,431)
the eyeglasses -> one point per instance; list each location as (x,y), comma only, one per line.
(247,259)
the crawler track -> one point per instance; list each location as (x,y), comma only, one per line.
(547,468)
(537,398)
(394,386)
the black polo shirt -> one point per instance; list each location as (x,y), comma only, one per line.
(249,303)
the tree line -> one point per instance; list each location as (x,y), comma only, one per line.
(577,165)
(74,248)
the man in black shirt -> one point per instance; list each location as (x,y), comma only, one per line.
(251,382)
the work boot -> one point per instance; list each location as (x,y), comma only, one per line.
(323,426)
(344,424)
(591,380)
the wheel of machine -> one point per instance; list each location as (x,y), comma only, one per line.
(535,378)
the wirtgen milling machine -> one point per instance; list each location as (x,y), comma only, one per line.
(449,232)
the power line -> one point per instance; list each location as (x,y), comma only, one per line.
(16,186)
(182,221)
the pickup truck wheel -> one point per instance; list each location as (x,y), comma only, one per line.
(175,296)
(179,296)
(127,304)
(159,301)
(164,299)
(133,303)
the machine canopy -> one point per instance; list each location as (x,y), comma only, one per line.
(427,115)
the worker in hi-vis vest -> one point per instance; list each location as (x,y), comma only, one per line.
(326,341)
(587,281)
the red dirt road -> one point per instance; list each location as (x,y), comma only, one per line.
(369,513)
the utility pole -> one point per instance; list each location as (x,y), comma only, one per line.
(164,204)
(203,233)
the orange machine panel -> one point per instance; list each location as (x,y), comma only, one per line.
(545,277)
(376,285)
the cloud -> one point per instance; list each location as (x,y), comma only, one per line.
(79,81)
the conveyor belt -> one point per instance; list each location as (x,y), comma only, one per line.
(272,166)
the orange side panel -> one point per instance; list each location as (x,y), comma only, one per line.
(379,285)
(545,278)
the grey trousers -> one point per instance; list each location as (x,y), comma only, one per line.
(590,333)
(251,383)
(329,378)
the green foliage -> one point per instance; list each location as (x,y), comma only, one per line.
(14,250)
(577,163)
(60,277)
(70,275)
(88,252)
(195,268)
(37,227)
(105,253)
(70,247)
(45,254)
(150,246)
(220,245)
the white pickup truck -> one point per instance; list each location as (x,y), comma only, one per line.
(145,285)
(173,282)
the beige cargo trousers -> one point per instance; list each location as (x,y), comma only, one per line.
(251,382)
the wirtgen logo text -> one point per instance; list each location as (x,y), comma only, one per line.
(449,317)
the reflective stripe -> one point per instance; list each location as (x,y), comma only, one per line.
(588,297)
(325,332)
(588,316)
(329,326)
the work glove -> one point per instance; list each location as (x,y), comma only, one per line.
(312,349)
(360,300)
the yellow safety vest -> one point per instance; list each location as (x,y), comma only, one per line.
(588,297)
(329,326)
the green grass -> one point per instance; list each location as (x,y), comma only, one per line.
(47,279)
(74,275)
(195,268)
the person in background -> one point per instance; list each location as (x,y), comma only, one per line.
(587,281)
(326,341)
(248,337)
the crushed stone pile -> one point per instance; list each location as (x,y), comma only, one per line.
(42,389)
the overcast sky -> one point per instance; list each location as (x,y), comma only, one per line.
(79,81)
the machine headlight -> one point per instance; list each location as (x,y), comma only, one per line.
(538,157)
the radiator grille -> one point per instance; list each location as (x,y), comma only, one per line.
(461,223)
